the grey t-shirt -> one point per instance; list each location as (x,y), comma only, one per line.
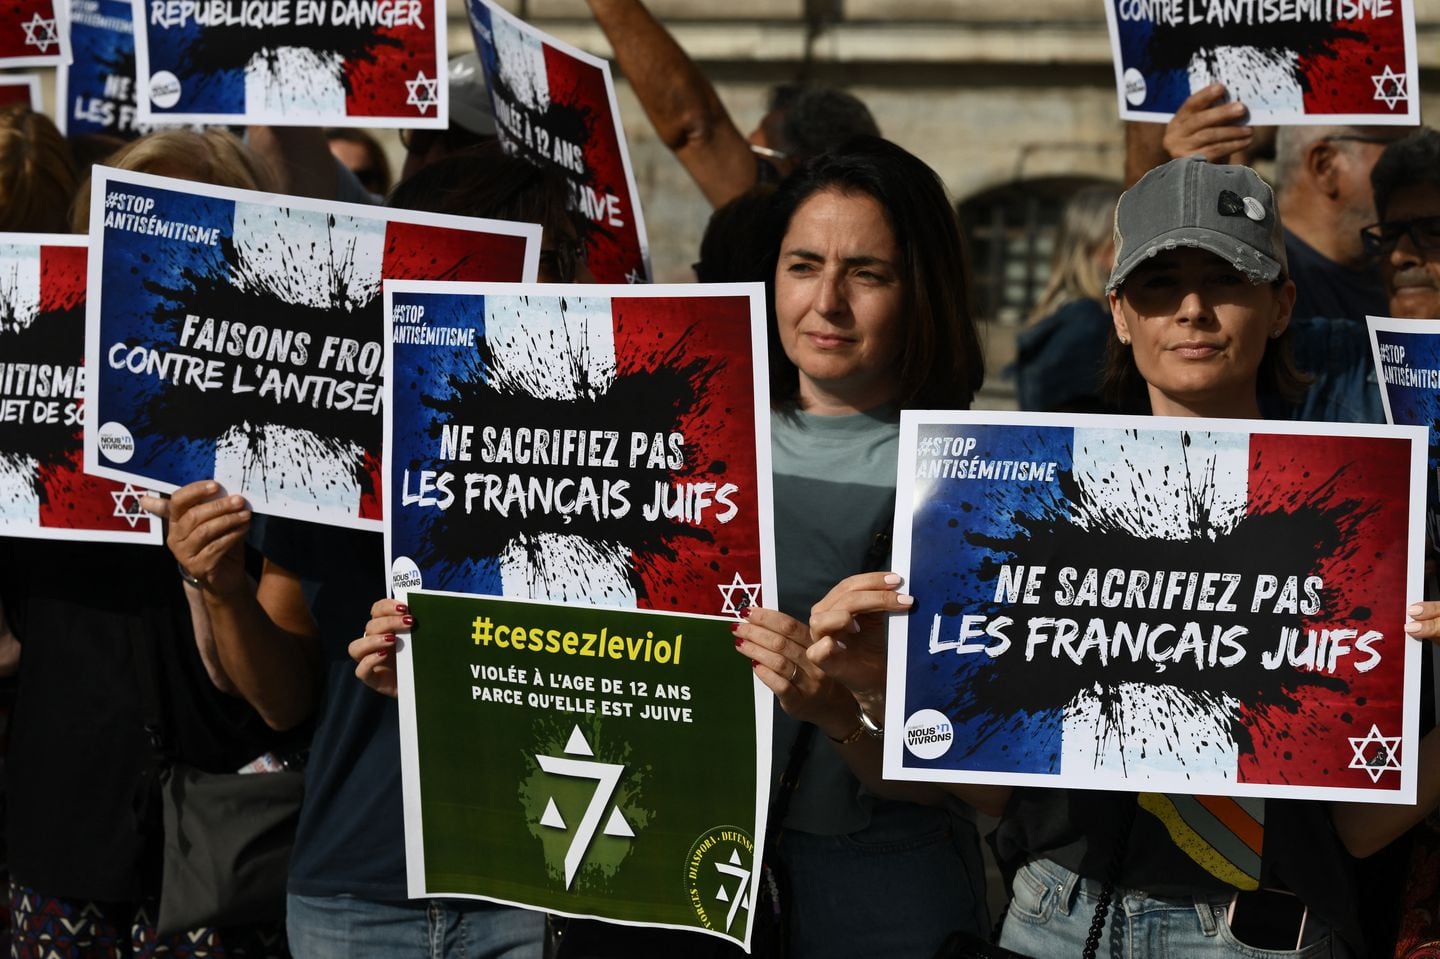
(834,506)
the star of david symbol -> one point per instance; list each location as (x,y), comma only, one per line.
(733,870)
(749,596)
(127,504)
(1390,87)
(607,779)
(1375,753)
(422,92)
(40,33)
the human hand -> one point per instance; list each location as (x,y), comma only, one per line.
(848,627)
(775,644)
(374,653)
(206,532)
(1207,126)
(1424,621)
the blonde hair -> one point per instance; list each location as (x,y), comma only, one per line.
(37,176)
(214,156)
(1076,272)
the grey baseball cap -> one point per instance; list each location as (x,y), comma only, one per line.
(1225,210)
(469,97)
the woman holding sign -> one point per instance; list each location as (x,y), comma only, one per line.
(1201,305)
(868,317)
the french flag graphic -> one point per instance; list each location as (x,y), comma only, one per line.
(1178,607)
(44,492)
(1329,58)
(243,337)
(339,62)
(568,445)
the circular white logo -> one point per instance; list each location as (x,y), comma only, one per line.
(928,734)
(164,89)
(404,574)
(1135,87)
(116,442)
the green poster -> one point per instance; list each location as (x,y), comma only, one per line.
(590,761)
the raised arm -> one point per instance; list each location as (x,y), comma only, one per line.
(681,103)
(1204,124)
(263,634)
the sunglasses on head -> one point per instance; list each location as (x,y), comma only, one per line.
(1380,238)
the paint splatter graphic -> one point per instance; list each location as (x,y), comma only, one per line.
(1167,568)
(1309,62)
(257,360)
(555,109)
(609,454)
(314,59)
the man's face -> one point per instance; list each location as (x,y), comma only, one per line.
(1411,271)
(1354,159)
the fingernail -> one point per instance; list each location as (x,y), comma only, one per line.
(754,664)
(401,608)
(893,579)
(905,600)
(839,644)
(853,626)
(745,611)
(388,638)
(382,653)
(738,642)
(1415,610)
(1413,628)
(408,620)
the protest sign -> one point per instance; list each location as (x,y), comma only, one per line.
(20,89)
(555,106)
(1288,61)
(95,92)
(1407,359)
(609,450)
(1149,603)
(1407,364)
(44,493)
(33,34)
(238,335)
(585,761)
(368,63)
(580,443)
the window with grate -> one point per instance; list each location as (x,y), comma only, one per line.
(1010,232)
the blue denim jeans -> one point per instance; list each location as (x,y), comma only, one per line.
(1051,911)
(895,889)
(343,927)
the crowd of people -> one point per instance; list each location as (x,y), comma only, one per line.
(245,627)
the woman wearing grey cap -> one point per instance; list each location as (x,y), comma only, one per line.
(1201,305)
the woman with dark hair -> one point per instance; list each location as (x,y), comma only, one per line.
(869,315)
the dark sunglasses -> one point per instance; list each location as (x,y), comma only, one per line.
(1380,238)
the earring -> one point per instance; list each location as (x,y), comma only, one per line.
(1124,340)
(1275,334)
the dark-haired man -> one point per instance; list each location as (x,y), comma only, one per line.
(1406,240)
